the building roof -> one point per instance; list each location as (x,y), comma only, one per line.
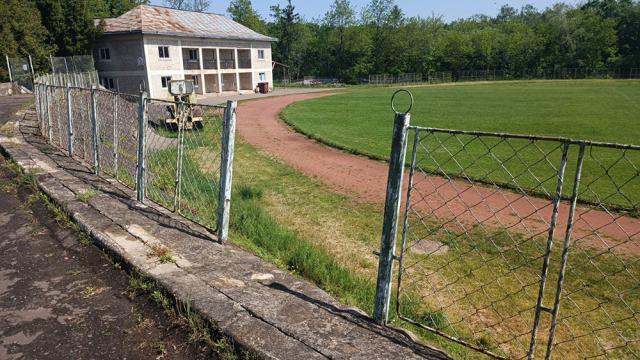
(148,19)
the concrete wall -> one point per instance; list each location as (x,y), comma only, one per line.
(127,64)
(127,53)
(261,64)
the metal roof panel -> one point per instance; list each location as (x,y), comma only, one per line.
(161,20)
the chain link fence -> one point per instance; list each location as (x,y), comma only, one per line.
(441,77)
(72,64)
(20,74)
(81,80)
(401,79)
(183,156)
(319,81)
(176,154)
(515,246)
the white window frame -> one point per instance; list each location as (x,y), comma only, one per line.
(262,77)
(163,52)
(261,55)
(104,54)
(166,80)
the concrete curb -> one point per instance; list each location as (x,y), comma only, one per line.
(263,309)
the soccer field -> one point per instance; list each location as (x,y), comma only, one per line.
(602,110)
(361,120)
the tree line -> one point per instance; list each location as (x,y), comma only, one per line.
(349,43)
(53,27)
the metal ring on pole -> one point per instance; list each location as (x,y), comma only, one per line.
(393,98)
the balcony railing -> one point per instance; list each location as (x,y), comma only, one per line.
(210,64)
(244,63)
(228,64)
(191,64)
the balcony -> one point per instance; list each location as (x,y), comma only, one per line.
(191,59)
(209,59)
(227,63)
(210,64)
(244,59)
(244,63)
(191,64)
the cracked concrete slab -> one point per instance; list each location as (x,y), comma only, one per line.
(271,312)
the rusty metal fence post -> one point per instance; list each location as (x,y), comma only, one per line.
(391,211)
(226,170)
(142,125)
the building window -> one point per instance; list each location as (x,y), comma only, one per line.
(262,77)
(193,55)
(107,83)
(105,54)
(165,81)
(260,54)
(163,52)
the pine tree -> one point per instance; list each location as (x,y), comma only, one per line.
(242,12)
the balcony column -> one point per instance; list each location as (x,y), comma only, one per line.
(202,84)
(253,80)
(237,70)
(219,71)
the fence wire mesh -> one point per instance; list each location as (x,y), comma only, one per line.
(471,75)
(72,64)
(183,152)
(600,280)
(478,263)
(82,80)
(386,79)
(21,73)
(182,144)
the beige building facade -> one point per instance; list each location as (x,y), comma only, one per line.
(148,46)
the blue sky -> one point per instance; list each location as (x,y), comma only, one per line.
(449,9)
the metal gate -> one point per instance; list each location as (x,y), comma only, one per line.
(20,73)
(477,263)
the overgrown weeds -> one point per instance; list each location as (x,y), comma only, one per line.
(162,253)
(182,313)
(88,195)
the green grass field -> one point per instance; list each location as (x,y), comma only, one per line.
(605,110)
(361,120)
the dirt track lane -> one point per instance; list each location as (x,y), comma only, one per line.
(365,180)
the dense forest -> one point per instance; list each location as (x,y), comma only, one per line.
(348,43)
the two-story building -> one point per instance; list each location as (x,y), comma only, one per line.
(148,46)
